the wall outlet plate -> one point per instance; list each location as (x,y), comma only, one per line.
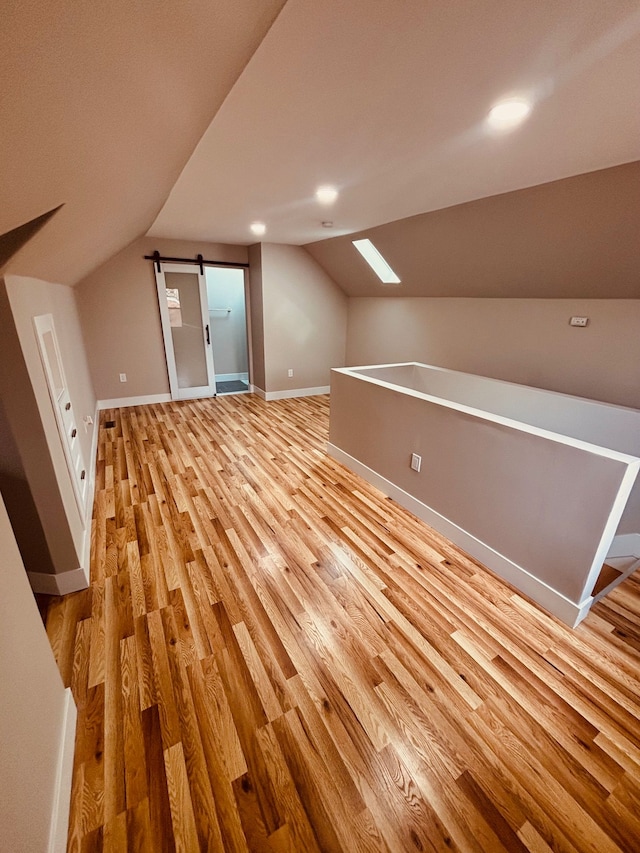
(416,462)
(579,321)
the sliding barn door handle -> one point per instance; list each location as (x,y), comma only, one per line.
(208,338)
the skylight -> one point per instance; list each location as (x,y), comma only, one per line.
(375,260)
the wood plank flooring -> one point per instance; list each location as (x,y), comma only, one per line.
(274,657)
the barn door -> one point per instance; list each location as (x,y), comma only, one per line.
(182,295)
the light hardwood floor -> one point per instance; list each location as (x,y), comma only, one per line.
(274,657)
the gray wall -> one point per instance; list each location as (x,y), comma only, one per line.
(20,505)
(528,341)
(304,319)
(541,503)
(120,317)
(32,702)
(29,411)
(572,238)
(30,297)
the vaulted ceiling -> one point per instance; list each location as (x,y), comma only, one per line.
(192,119)
(576,238)
(387,101)
(102,105)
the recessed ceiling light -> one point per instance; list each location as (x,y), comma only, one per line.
(508,114)
(375,260)
(326,195)
(258,228)
(327,223)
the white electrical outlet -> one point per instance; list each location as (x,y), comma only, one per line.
(290,372)
(123,377)
(579,321)
(416,462)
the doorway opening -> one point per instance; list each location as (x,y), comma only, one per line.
(227,311)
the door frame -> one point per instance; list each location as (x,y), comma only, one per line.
(195,392)
(243,268)
(43,325)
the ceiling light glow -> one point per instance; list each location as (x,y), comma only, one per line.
(258,228)
(508,114)
(326,195)
(375,260)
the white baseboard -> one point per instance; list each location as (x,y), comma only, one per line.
(64,772)
(294,392)
(625,545)
(74,580)
(569,612)
(232,377)
(85,566)
(90,495)
(123,402)
(61,584)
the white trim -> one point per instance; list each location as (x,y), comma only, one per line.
(85,564)
(569,612)
(609,532)
(123,402)
(297,392)
(91,487)
(64,771)
(232,377)
(484,414)
(63,411)
(625,545)
(199,391)
(286,395)
(436,368)
(62,583)
(94,440)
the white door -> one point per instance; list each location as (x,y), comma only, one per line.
(63,410)
(182,295)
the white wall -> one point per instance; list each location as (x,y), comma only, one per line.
(32,710)
(528,341)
